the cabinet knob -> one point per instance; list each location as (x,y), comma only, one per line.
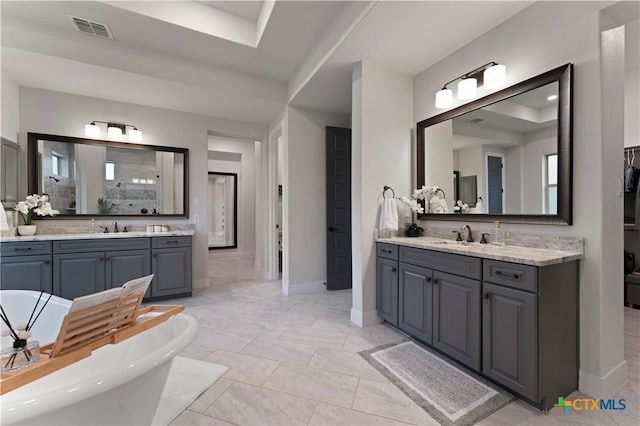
(46,262)
(428,279)
(436,281)
(487,295)
(23,249)
(102,259)
(394,269)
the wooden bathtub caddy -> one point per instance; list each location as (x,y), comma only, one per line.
(88,329)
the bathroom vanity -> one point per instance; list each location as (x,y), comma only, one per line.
(73,265)
(509,313)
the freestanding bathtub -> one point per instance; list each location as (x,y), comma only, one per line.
(119,384)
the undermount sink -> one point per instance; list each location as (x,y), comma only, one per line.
(450,242)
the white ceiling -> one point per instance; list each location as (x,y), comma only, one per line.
(161,63)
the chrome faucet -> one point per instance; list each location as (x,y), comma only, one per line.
(469,235)
(115,227)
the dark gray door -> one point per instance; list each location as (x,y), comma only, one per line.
(78,274)
(456,317)
(27,273)
(415,314)
(338,167)
(509,348)
(172,269)
(387,290)
(494,183)
(122,266)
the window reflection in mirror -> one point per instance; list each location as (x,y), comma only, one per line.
(87,177)
(223,202)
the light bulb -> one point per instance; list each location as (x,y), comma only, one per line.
(135,135)
(114,133)
(444,98)
(495,76)
(467,88)
(92,130)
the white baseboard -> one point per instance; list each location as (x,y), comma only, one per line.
(200,283)
(304,288)
(365,319)
(605,386)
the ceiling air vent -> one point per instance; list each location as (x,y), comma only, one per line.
(476,120)
(90,27)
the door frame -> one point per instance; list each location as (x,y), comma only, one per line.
(271,270)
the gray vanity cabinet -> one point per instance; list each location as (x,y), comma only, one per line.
(82,267)
(171,264)
(510,331)
(26,266)
(78,274)
(387,282)
(456,318)
(416,300)
(530,326)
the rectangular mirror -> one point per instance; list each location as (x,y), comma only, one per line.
(223,204)
(88,177)
(511,149)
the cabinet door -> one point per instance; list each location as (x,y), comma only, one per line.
(416,298)
(122,266)
(172,269)
(387,290)
(26,273)
(509,344)
(456,317)
(78,274)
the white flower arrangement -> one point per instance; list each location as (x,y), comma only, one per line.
(432,200)
(461,207)
(34,205)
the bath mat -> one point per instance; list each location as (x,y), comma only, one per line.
(451,394)
(188,378)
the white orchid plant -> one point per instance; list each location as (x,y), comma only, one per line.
(34,205)
(432,200)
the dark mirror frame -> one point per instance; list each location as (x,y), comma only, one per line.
(235,211)
(564,76)
(32,169)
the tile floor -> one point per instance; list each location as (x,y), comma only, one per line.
(293,361)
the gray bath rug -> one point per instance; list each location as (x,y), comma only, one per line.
(451,394)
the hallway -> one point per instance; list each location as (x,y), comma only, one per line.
(294,360)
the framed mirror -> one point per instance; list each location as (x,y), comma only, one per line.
(515,146)
(223,206)
(9,171)
(90,177)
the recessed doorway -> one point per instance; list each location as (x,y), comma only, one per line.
(223,206)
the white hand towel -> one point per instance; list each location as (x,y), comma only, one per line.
(388,215)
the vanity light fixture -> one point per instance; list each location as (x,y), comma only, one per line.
(114,131)
(492,75)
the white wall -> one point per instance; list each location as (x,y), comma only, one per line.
(561,32)
(438,154)
(471,162)
(246,189)
(10,108)
(537,145)
(632,108)
(304,201)
(43,111)
(381,154)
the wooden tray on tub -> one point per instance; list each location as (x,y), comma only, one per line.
(88,329)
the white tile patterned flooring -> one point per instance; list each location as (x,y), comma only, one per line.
(293,361)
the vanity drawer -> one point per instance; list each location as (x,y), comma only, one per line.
(167,242)
(26,248)
(465,266)
(388,251)
(100,244)
(514,275)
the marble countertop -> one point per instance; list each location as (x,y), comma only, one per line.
(506,253)
(100,235)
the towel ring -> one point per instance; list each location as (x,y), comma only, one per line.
(384,189)
(443,194)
